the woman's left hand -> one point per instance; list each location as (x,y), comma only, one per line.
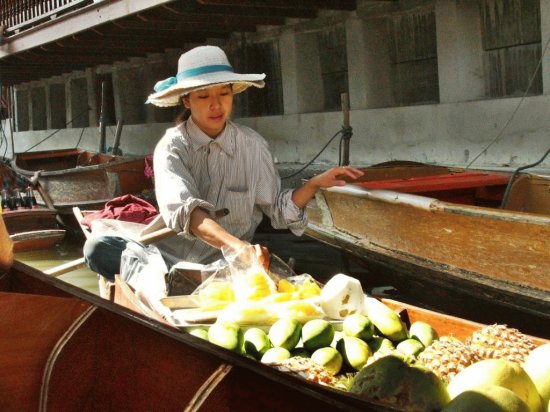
(334,176)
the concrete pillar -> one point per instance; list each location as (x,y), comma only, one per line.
(93,115)
(545,38)
(68,100)
(57,104)
(287,50)
(48,108)
(301,73)
(459,50)
(78,93)
(369,66)
(29,109)
(118,90)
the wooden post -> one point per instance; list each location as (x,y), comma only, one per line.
(116,150)
(103,117)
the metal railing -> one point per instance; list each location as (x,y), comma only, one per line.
(16,15)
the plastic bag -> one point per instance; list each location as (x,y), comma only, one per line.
(143,268)
(249,278)
(216,290)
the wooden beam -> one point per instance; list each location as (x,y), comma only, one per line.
(186,7)
(285,4)
(74,22)
(174,26)
(162,16)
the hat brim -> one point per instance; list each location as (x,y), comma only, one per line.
(171,96)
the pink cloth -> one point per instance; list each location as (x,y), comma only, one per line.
(128,208)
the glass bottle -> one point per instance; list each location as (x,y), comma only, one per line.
(18,200)
(5,200)
(31,199)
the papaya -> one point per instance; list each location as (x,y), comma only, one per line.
(385,320)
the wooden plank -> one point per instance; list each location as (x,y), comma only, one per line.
(509,251)
(72,23)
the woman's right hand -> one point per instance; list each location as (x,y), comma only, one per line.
(263,255)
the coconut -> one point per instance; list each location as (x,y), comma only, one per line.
(487,398)
(498,372)
(341,296)
(537,366)
(392,381)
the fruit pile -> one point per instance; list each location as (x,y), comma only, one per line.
(358,344)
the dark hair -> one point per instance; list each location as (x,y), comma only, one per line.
(183,114)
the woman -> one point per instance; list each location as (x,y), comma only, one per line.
(208,163)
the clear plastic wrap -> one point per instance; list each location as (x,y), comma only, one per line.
(143,269)
(250,279)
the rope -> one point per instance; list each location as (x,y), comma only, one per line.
(346,135)
(517,107)
(80,138)
(316,156)
(516,172)
(58,130)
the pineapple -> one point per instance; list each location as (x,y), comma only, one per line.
(216,295)
(447,356)
(253,286)
(307,369)
(501,342)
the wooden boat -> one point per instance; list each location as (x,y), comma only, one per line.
(438,235)
(76,177)
(33,229)
(29,228)
(57,337)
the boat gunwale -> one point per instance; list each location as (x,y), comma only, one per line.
(116,162)
(431,205)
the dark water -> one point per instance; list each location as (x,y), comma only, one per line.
(67,251)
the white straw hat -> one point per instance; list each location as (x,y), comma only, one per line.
(200,68)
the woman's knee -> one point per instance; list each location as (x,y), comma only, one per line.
(102,254)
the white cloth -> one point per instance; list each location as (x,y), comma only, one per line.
(233,171)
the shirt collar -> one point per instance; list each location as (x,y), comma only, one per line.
(199,139)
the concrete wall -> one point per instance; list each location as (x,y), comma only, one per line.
(464,125)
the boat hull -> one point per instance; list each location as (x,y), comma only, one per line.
(443,252)
(75,177)
(114,358)
(33,229)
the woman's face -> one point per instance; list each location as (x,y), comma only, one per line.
(210,108)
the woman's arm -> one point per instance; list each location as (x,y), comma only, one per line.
(329,178)
(208,230)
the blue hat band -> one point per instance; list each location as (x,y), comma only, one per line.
(197,71)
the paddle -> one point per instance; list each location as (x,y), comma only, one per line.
(79,263)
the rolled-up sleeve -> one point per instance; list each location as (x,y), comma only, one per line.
(175,188)
(277,204)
